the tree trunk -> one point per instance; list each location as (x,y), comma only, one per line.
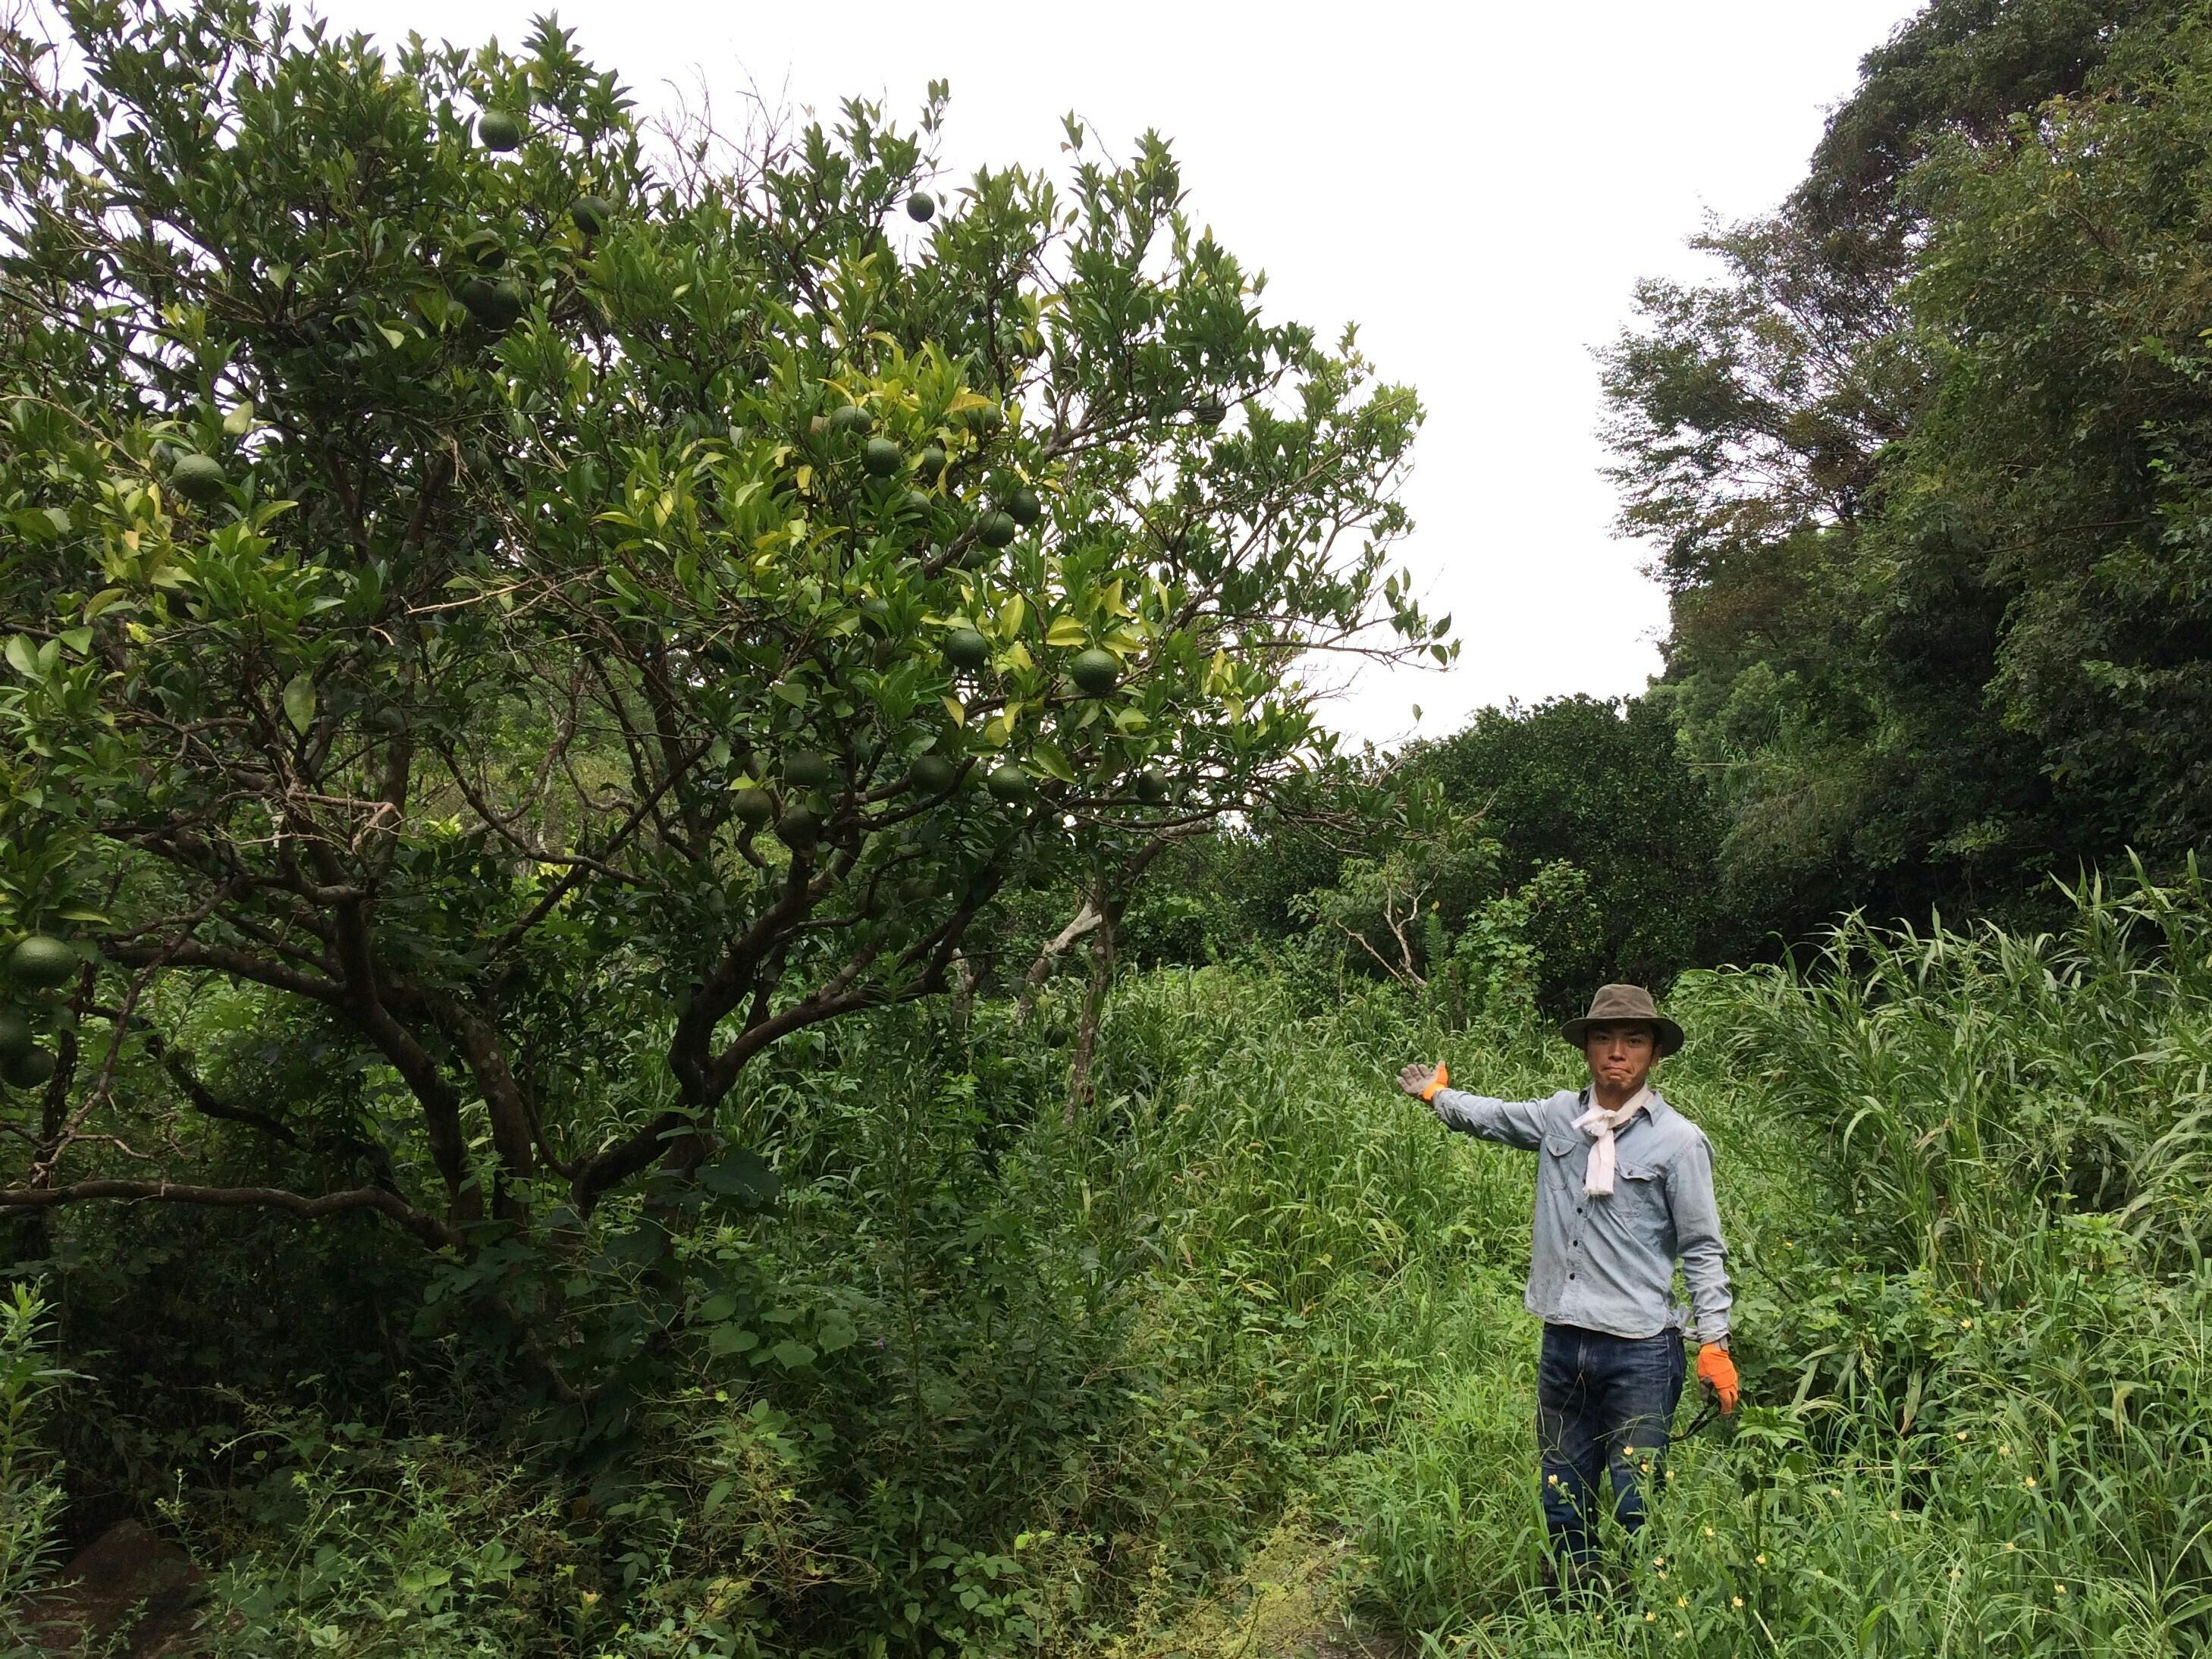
(1094,1007)
(1086,921)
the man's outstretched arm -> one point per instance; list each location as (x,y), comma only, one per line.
(1510,1122)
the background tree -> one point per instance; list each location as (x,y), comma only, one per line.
(1837,657)
(1601,786)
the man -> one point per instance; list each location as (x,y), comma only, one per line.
(1624,1189)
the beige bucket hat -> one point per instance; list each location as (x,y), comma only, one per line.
(1616,1003)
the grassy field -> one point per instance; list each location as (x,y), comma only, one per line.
(1236,1361)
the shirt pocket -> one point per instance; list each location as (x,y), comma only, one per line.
(1562,1169)
(1639,1195)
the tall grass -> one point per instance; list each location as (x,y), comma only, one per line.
(30,1495)
(1243,1347)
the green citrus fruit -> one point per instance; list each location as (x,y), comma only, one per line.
(876,616)
(931,774)
(1095,672)
(591,214)
(28,1069)
(1153,785)
(881,458)
(995,528)
(41,963)
(916,501)
(1024,507)
(851,421)
(806,769)
(199,478)
(497,305)
(799,829)
(965,648)
(916,890)
(498,130)
(1008,782)
(920,207)
(1209,411)
(483,250)
(14,1035)
(932,462)
(754,805)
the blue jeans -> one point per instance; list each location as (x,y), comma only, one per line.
(1604,1405)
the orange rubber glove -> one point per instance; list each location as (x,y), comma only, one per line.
(1441,1080)
(1718,1372)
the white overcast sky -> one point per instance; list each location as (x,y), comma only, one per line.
(1476,185)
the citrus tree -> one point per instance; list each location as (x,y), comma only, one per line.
(556,611)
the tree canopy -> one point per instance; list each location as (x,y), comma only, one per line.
(545,616)
(1918,471)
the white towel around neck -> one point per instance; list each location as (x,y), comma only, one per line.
(1599,1125)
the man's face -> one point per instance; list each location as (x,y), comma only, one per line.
(1619,1054)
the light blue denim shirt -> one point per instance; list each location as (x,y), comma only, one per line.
(1608,1264)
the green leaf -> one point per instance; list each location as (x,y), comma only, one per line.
(300,701)
(742,1174)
